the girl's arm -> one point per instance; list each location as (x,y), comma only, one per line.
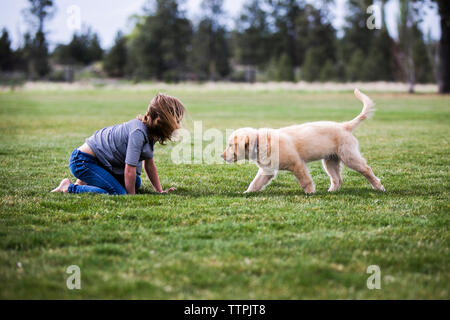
(130,179)
(152,174)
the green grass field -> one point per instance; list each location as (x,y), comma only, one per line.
(207,240)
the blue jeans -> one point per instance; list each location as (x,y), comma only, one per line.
(97,178)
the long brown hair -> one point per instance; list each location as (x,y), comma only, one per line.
(163,117)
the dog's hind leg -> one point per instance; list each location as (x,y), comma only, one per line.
(353,159)
(332,166)
(262,179)
(304,178)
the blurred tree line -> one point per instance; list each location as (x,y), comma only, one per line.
(273,40)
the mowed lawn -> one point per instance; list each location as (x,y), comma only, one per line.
(207,240)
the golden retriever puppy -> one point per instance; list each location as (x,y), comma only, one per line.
(291,148)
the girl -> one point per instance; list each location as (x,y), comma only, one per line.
(110,161)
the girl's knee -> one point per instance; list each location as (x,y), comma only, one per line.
(117,191)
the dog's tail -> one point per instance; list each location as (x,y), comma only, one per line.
(367,111)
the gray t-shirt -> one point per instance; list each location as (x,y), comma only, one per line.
(125,143)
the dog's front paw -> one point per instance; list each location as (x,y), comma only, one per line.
(378,186)
(310,189)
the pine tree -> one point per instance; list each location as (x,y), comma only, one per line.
(95,51)
(285,69)
(116,59)
(328,72)
(356,42)
(379,64)
(83,49)
(252,46)
(422,64)
(271,70)
(284,40)
(354,66)
(159,45)
(6,53)
(36,14)
(412,56)
(312,65)
(39,65)
(444,11)
(357,35)
(210,53)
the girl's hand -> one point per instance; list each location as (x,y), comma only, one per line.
(168,190)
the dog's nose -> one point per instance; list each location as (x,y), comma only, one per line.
(223,156)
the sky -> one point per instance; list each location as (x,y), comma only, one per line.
(106,17)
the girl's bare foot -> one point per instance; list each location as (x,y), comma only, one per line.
(63,186)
